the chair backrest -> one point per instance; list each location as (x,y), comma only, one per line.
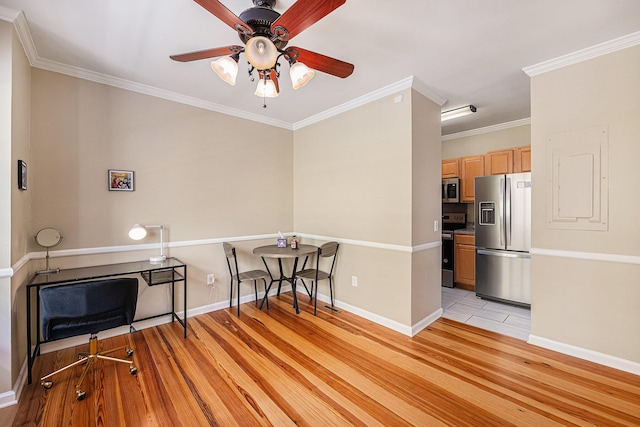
(230,254)
(329,249)
(87,307)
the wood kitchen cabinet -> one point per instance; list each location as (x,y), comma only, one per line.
(471,167)
(498,162)
(522,159)
(464,274)
(451,168)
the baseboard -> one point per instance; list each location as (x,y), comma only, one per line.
(426,321)
(8,398)
(586,354)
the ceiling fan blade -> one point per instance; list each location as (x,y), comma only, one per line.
(209,53)
(301,16)
(320,62)
(273,76)
(221,12)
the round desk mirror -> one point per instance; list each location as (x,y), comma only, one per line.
(48,238)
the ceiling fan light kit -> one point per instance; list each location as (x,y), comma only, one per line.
(226,68)
(261,53)
(266,88)
(265,34)
(458,112)
(300,74)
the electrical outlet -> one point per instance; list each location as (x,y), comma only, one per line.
(211,279)
(354,281)
(435,225)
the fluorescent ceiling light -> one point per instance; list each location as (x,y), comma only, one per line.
(458,112)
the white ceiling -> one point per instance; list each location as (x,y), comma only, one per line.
(465,51)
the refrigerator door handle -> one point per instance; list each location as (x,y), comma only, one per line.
(504,254)
(500,214)
(507,210)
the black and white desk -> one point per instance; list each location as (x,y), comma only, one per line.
(171,271)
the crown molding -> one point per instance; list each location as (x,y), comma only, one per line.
(605,48)
(22,28)
(84,74)
(488,129)
(409,82)
(7,14)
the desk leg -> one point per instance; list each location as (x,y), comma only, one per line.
(185,301)
(29,356)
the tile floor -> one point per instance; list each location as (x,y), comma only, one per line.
(463,306)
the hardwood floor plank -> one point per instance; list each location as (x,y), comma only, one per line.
(276,368)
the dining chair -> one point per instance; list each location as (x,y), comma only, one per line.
(239,277)
(328,250)
(88,308)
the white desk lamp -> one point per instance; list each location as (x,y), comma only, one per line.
(139,232)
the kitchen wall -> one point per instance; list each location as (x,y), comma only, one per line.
(480,141)
(585,288)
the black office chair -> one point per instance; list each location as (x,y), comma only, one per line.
(88,308)
(255,275)
(327,250)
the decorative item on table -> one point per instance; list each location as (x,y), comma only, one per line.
(294,242)
(139,232)
(48,238)
(282,241)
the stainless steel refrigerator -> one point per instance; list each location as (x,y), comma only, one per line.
(503,237)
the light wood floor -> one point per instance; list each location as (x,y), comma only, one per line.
(276,368)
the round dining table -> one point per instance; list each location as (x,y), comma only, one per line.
(273,251)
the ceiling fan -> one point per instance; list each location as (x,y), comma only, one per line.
(265,34)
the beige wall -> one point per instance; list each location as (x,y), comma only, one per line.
(200,174)
(363,176)
(591,304)
(480,143)
(5,204)
(426,265)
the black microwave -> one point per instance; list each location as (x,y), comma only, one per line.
(451,190)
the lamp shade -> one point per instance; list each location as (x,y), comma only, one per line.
(226,68)
(261,53)
(300,74)
(266,88)
(137,232)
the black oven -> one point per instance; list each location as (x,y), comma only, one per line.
(450,223)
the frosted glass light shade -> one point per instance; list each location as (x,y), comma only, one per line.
(300,74)
(226,68)
(261,53)
(266,88)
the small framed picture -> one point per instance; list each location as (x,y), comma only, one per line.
(22,175)
(120,180)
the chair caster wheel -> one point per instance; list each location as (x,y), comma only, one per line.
(80,395)
(129,352)
(47,384)
(133,370)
